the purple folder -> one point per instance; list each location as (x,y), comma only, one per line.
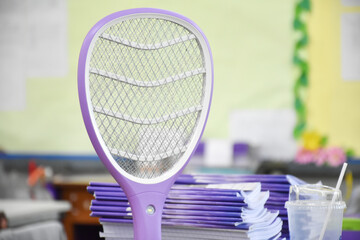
(185,212)
(177,196)
(192,225)
(172,206)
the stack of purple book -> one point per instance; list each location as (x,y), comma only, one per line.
(204,207)
(277,185)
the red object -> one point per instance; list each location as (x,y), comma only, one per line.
(31,167)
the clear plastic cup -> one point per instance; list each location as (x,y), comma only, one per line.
(307,209)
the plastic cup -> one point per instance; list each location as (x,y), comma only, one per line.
(307,209)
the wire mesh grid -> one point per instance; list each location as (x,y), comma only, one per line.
(147,83)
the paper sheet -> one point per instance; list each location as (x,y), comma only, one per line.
(33,43)
(12,72)
(350,3)
(270,131)
(350,46)
(46,34)
(218,153)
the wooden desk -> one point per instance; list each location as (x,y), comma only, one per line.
(77,222)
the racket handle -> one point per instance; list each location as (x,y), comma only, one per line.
(147,211)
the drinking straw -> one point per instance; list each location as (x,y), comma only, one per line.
(333,200)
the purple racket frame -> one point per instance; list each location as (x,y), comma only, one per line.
(140,195)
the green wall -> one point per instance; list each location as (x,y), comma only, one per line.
(251,43)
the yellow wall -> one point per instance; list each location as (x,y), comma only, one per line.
(251,43)
(333,104)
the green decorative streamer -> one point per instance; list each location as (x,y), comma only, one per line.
(302,81)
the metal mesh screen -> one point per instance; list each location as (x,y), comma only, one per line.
(147,78)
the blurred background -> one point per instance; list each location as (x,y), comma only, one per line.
(286,94)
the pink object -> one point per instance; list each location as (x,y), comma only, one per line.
(335,156)
(320,157)
(304,156)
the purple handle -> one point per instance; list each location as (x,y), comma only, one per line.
(147,224)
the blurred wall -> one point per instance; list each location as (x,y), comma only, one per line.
(251,43)
(333,102)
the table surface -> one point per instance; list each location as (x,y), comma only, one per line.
(21,212)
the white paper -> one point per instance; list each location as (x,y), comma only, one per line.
(218,153)
(269,131)
(350,3)
(12,72)
(236,186)
(46,38)
(350,46)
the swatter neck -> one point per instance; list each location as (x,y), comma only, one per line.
(132,188)
(147,211)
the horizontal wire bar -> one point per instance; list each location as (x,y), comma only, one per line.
(147,46)
(149,83)
(148,158)
(147,121)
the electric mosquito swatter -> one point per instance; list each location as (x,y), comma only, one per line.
(145,80)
